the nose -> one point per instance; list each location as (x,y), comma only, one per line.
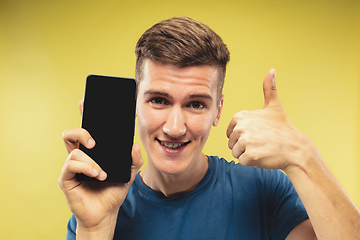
(175,123)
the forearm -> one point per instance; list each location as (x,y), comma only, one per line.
(331,211)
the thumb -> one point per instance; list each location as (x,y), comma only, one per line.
(271,97)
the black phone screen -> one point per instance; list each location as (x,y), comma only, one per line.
(109,117)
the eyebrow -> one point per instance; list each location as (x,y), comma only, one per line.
(164,94)
(207,96)
(149,92)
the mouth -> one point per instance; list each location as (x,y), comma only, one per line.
(172,145)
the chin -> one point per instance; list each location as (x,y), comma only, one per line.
(172,166)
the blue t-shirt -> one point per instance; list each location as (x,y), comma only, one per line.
(230,202)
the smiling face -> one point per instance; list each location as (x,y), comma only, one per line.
(176,108)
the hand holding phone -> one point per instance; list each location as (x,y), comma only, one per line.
(92,203)
(109,116)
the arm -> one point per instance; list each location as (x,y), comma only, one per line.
(303,230)
(332,212)
(266,138)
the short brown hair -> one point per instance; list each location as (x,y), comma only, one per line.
(183,42)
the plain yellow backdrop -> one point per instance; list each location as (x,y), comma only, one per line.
(47,48)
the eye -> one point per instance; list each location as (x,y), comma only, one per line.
(197,105)
(159,101)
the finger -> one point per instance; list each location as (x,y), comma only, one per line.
(245,160)
(238,149)
(235,121)
(271,98)
(73,166)
(78,155)
(79,162)
(81,106)
(231,127)
(72,138)
(233,138)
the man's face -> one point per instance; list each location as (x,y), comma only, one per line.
(176,108)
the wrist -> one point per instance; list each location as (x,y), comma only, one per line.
(104,230)
(82,234)
(304,158)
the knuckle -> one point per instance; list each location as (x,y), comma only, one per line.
(253,156)
(243,141)
(241,114)
(69,165)
(249,159)
(250,155)
(65,133)
(238,129)
(82,132)
(236,154)
(243,161)
(75,152)
(75,134)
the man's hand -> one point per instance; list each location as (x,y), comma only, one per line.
(95,205)
(266,138)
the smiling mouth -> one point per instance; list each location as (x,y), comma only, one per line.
(172,145)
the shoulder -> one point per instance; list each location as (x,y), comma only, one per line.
(237,170)
(264,182)
(270,190)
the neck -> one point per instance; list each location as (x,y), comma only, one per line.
(172,185)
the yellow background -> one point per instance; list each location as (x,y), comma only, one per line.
(47,48)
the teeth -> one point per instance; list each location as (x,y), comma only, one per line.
(172,145)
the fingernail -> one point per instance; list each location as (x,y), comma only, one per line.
(102,174)
(274,77)
(273,81)
(91,142)
(95,171)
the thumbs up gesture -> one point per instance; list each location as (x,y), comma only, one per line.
(266,138)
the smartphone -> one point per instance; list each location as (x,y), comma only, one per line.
(109,117)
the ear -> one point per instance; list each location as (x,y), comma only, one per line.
(220,106)
(136,108)
(81,106)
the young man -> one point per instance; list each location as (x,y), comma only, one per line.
(184,194)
